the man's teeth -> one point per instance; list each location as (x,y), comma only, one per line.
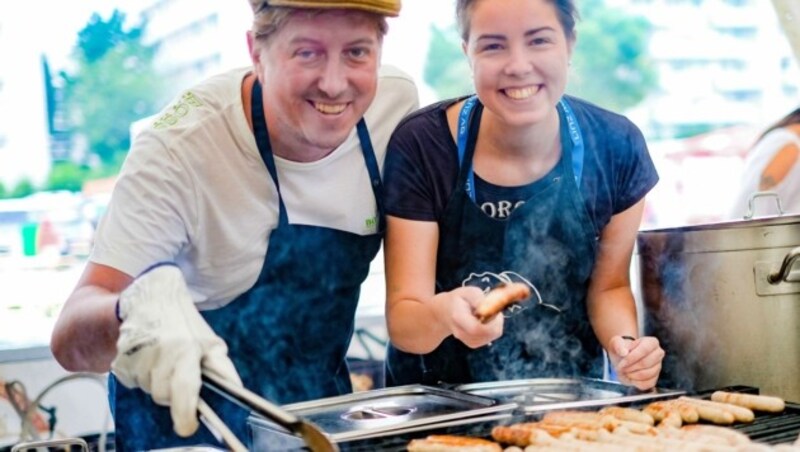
(330,109)
(520,93)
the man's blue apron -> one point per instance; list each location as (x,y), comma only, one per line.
(289,333)
(550,241)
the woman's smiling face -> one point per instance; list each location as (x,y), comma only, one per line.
(519,54)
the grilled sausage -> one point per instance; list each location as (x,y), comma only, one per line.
(740,413)
(442,443)
(665,414)
(728,436)
(500,298)
(754,402)
(628,414)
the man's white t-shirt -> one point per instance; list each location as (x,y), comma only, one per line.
(194,189)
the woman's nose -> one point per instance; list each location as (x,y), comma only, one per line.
(518,63)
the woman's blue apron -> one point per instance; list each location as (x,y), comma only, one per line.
(550,242)
(288,334)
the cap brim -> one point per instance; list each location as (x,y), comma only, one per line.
(383,7)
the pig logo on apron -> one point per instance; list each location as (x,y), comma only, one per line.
(488,280)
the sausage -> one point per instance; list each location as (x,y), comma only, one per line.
(740,413)
(754,402)
(689,414)
(524,434)
(500,298)
(666,415)
(440,443)
(725,435)
(628,414)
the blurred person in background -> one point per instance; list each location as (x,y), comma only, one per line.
(518,183)
(241,227)
(772,165)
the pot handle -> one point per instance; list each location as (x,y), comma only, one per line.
(751,203)
(782,275)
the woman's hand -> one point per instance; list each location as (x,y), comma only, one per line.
(637,362)
(455,309)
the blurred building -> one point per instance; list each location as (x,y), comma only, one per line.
(196,38)
(720,63)
(24,147)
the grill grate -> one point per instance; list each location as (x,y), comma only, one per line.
(767,428)
(774,428)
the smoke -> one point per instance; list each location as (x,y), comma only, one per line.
(677,291)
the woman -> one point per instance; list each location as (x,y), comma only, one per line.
(772,165)
(518,183)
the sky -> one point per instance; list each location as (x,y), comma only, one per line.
(60,24)
(63,20)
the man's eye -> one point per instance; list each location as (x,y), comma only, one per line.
(358,52)
(305,54)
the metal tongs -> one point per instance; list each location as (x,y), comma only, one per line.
(310,433)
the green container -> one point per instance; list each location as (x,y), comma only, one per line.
(29,235)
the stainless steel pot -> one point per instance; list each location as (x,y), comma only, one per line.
(725,302)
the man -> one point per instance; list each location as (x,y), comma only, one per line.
(254,198)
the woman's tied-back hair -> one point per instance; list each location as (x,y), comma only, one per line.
(269,19)
(789,119)
(567,15)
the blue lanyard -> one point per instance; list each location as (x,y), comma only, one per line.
(573,128)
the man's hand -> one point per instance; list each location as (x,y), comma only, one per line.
(637,362)
(164,342)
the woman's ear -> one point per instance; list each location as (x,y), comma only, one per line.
(571,44)
(464,49)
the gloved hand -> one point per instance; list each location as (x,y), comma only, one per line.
(163,343)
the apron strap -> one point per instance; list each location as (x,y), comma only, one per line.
(265,149)
(469,123)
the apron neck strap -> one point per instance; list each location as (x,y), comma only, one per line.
(265,149)
(469,123)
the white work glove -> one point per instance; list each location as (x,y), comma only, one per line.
(163,343)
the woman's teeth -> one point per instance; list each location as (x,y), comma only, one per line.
(330,109)
(520,93)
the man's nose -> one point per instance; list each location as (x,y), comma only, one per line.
(333,80)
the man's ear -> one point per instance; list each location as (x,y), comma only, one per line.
(255,53)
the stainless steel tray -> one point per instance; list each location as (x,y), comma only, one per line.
(544,394)
(374,413)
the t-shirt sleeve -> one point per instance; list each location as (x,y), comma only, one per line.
(637,173)
(408,193)
(421,165)
(149,213)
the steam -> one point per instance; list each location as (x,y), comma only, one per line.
(676,295)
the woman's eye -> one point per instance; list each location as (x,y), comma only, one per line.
(489,47)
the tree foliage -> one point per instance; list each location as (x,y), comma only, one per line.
(22,188)
(446,69)
(610,64)
(66,176)
(113,85)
